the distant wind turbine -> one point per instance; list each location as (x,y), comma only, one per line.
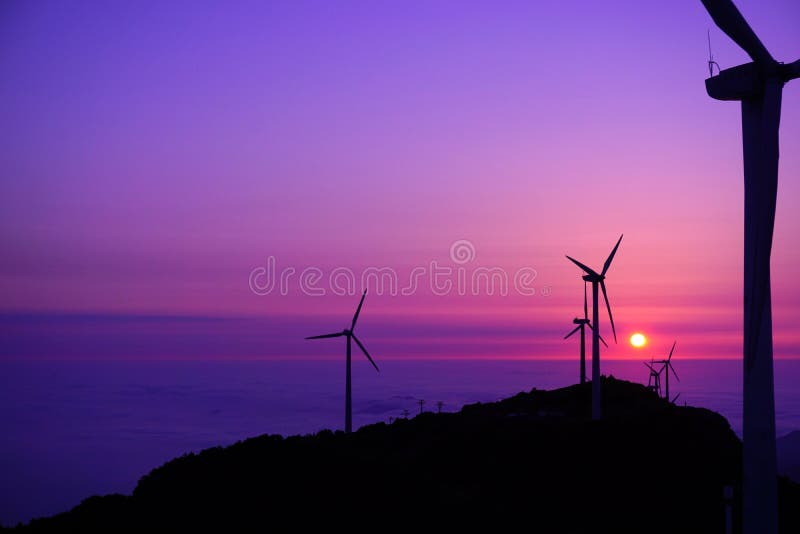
(348,404)
(582,324)
(759,86)
(654,380)
(667,367)
(598,281)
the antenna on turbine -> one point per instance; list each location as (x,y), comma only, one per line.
(711,61)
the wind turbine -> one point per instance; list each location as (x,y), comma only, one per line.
(654,380)
(758,85)
(348,333)
(582,324)
(667,368)
(598,281)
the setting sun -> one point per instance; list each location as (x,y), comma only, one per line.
(638,340)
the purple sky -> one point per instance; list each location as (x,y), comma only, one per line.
(154,154)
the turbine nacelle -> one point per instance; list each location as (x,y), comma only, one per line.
(737,83)
(747,81)
(653,370)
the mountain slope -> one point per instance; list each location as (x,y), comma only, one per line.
(533,459)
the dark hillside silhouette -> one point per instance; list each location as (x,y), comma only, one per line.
(531,459)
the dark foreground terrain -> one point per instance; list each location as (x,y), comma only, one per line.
(535,461)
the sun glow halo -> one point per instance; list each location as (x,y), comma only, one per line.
(638,340)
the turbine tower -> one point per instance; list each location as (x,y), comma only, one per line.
(348,403)
(667,368)
(582,324)
(598,281)
(758,85)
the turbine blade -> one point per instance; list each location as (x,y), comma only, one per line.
(366,353)
(576,329)
(601,337)
(675,398)
(608,306)
(728,18)
(358,310)
(607,264)
(671,350)
(337,334)
(673,371)
(582,266)
(585,304)
(790,71)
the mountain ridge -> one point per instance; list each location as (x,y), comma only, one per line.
(536,456)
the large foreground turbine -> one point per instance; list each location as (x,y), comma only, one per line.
(758,85)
